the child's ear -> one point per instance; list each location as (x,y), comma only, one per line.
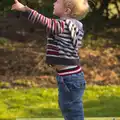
(68,11)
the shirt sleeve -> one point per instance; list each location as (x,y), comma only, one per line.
(77,33)
(54,25)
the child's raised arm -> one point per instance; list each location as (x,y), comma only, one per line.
(56,26)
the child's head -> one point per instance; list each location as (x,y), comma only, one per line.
(70,8)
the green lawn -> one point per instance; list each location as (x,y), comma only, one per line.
(103,118)
(41,103)
(91,118)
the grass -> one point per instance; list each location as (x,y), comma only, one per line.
(91,118)
(41,102)
(103,118)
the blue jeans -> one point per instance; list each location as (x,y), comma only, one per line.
(70,91)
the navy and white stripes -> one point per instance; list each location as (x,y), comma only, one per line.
(63,40)
(56,26)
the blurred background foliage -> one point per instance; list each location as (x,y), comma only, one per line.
(109,9)
(103,13)
(22,44)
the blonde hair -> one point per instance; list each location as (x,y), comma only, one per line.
(79,8)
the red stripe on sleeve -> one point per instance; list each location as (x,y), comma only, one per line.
(52,52)
(41,18)
(35,15)
(52,47)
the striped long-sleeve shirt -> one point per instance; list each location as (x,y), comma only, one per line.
(63,40)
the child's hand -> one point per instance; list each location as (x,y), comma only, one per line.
(18,6)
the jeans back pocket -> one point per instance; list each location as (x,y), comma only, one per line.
(74,81)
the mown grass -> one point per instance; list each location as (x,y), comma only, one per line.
(42,102)
(103,118)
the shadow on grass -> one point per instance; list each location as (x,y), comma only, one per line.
(43,113)
(103,107)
